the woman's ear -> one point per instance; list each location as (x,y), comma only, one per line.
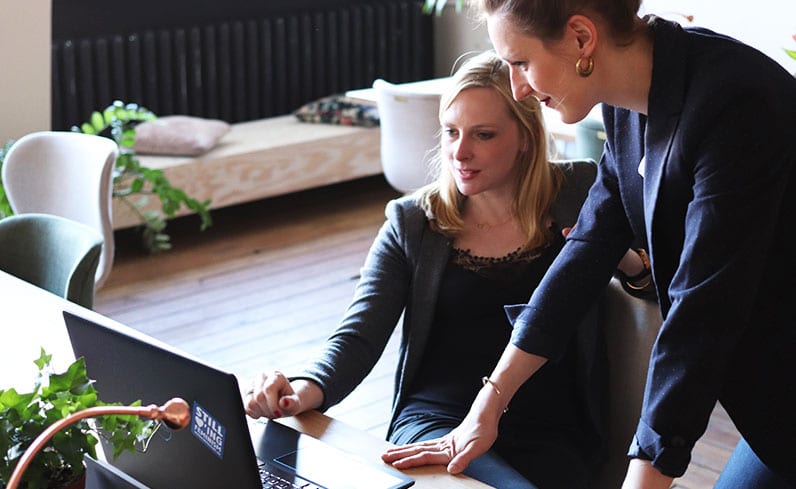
(584,32)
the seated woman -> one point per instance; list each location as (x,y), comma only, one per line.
(449,257)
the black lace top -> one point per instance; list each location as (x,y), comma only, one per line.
(470,333)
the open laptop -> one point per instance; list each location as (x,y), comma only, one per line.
(216,450)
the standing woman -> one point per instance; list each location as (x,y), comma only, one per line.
(699,167)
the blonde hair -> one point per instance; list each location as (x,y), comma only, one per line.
(538,181)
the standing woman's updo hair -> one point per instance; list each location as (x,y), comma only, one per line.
(538,181)
(545,19)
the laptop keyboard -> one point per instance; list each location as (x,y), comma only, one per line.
(273,481)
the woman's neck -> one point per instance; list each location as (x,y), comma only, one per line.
(489,210)
(626,71)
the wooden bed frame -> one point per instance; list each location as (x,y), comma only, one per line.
(266,158)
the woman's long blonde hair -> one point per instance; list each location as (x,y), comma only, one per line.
(538,181)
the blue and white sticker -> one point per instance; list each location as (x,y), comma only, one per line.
(207,428)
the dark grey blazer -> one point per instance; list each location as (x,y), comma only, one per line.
(715,207)
(402,274)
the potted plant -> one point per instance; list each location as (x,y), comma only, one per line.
(133,183)
(23,416)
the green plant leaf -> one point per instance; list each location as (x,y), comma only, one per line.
(791,53)
(98,122)
(87,128)
(43,360)
(23,416)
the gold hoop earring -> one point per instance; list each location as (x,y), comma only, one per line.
(584,72)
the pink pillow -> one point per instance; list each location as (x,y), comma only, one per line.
(179,135)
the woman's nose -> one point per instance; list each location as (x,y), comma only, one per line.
(520,89)
(461,150)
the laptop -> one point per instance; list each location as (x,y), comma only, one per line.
(102,475)
(216,450)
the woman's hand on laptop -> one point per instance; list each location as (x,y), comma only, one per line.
(273,396)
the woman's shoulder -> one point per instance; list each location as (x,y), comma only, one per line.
(577,174)
(406,211)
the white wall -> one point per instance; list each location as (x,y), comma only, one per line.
(455,34)
(25,27)
(768,25)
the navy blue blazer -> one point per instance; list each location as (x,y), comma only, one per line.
(706,182)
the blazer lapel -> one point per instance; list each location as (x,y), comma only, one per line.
(666,98)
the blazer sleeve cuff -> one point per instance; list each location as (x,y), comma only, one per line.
(670,456)
(532,339)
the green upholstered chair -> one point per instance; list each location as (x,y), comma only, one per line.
(52,252)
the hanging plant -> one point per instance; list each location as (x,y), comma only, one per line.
(133,183)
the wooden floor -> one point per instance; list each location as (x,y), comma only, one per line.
(265,285)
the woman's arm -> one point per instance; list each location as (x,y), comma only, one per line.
(642,475)
(478,431)
(355,346)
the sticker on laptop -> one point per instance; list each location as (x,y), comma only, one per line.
(207,428)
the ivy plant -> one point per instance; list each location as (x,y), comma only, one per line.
(23,416)
(133,183)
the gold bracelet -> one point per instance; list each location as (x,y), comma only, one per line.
(645,259)
(486,380)
(640,285)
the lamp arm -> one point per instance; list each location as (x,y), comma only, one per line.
(175,413)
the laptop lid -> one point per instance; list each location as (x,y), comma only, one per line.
(216,450)
(102,475)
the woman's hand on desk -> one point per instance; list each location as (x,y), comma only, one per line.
(273,396)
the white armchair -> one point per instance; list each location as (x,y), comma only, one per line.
(409,125)
(66,174)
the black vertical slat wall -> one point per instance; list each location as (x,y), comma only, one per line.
(234,60)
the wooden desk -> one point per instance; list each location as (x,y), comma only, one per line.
(32,318)
(355,441)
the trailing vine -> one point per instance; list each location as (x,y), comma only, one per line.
(133,183)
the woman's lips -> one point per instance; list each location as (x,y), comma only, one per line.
(467,174)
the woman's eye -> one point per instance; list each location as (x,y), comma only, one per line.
(486,135)
(450,133)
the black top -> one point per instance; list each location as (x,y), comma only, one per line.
(469,335)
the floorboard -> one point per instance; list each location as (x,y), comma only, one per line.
(269,280)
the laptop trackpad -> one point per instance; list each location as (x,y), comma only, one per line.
(327,467)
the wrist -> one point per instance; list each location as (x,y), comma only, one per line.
(635,271)
(309,394)
(494,402)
